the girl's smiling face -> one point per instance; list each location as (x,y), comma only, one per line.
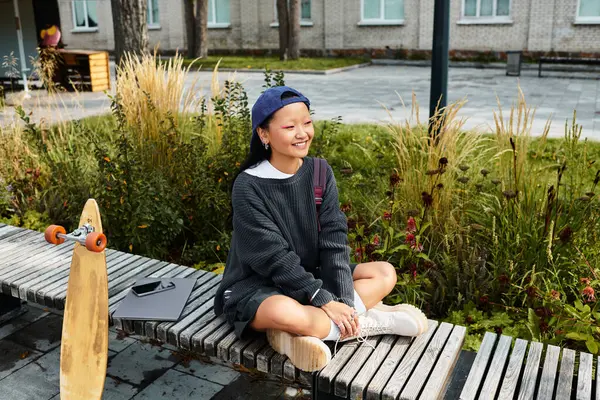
(290,132)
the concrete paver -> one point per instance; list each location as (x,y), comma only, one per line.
(381,93)
(179,385)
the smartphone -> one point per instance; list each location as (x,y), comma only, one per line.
(149,288)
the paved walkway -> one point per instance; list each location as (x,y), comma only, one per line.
(360,95)
(137,369)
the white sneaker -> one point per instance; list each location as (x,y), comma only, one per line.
(408,308)
(305,352)
(375,322)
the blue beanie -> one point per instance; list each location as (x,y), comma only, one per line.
(269,102)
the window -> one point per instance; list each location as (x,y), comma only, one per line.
(218,14)
(588,11)
(85,17)
(382,12)
(305,13)
(153,21)
(487,9)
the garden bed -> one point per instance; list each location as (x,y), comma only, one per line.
(498,232)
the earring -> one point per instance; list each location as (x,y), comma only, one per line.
(266,146)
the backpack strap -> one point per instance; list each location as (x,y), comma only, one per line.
(319,184)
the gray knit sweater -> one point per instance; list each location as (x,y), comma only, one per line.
(276,242)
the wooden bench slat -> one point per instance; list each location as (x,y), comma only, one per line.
(35,265)
(199,337)
(277,362)
(19,236)
(418,376)
(289,371)
(169,271)
(139,327)
(492,380)
(43,268)
(251,352)
(546,389)
(479,366)
(185,336)
(212,341)
(17,250)
(27,289)
(529,380)
(6,234)
(263,359)
(203,305)
(204,289)
(360,382)
(584,376)
(224,345)
(39,293)
(60,287)
(387,367)
(565,376)
(408,363)
(438,381)
(513,371)
(338,361)
(118,279)
(353,367)
(24,246)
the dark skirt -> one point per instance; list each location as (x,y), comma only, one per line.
(241,315)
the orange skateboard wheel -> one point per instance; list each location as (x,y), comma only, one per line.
(95,242)
(51,234)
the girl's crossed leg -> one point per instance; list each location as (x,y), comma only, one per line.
(372,281)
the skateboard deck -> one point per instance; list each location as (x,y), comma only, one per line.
(84,347)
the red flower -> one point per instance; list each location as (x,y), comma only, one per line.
(588,294)
(411,225)
(413,270)
(376,240)
(585,281)
(417,247)
(410,238)
(387,216)
(484,299)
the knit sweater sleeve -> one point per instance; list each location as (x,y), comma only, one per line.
(263,248)
(333,245)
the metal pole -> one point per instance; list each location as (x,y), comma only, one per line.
(24,68)
(439,58)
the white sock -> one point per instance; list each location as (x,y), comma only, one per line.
(358,304)
(334,331)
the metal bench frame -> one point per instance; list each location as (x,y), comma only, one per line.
(566,60)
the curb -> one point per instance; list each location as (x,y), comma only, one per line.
(480,65)
(294,71)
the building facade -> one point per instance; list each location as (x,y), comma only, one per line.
(378,27)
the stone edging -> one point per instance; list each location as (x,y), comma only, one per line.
(294,71)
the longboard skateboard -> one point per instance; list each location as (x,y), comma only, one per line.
(84,343)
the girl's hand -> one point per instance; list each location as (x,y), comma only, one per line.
(344,316)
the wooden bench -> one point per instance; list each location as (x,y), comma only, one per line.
(566,60)
(503,371)
(384,367)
